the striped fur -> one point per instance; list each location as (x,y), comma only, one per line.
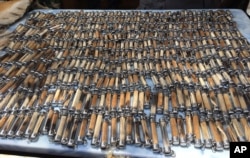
(12,10)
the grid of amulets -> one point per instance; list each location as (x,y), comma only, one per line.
(73,74)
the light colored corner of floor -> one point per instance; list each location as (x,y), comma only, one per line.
(13,156)
(248,9)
